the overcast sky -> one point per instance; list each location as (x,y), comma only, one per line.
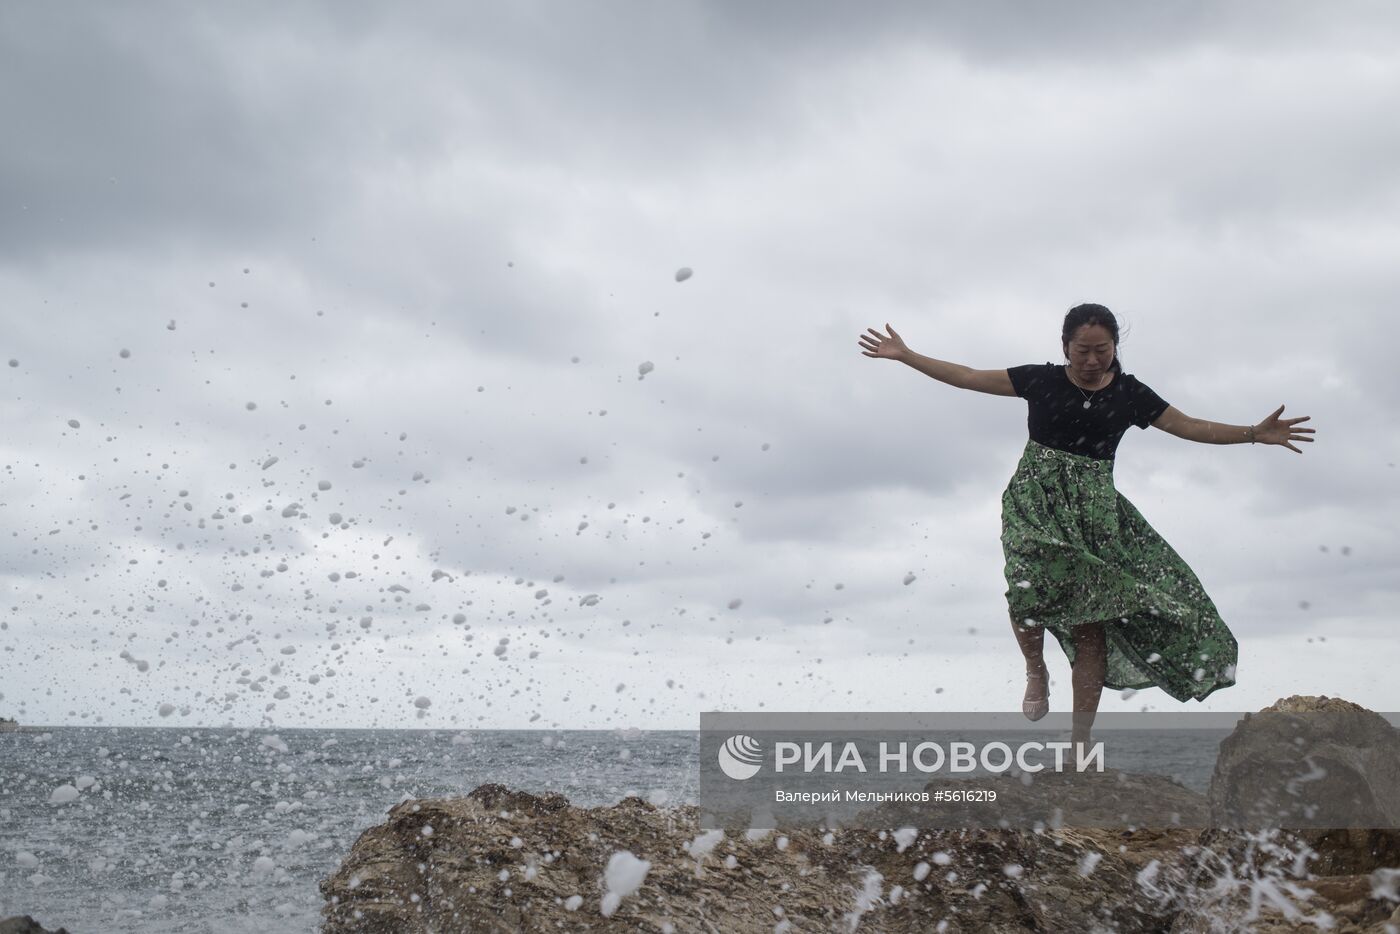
(425,258)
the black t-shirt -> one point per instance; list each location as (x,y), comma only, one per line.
(1059,419)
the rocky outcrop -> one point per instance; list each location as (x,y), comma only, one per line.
(23,924)
(1342,878)
(503,860)
(1111,798)
(1317,761)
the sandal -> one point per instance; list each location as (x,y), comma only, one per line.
(1036,704)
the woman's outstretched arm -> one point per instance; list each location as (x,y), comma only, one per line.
(996,382)
(1272,430)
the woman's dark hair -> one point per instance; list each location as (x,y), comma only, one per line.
(1090,313)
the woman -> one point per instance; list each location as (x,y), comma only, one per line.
(1080,560)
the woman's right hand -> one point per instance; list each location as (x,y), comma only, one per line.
(879,345)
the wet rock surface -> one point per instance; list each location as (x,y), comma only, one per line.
(1316,760)
(504,860)
(24,924)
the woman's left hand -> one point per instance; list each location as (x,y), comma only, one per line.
(1275,430)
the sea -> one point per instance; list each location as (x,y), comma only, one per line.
(229,830)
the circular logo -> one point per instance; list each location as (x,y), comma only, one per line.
(740,757)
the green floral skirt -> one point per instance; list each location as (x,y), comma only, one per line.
(1078,552)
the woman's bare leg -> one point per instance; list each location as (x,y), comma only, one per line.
(1090,667)
(1036,701)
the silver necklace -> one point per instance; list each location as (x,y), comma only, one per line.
(1087,399)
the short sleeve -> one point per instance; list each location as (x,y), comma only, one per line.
(1024,378)
(1147,405)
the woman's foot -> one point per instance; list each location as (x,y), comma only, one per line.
(1036,702)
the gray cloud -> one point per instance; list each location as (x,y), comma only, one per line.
(462,226)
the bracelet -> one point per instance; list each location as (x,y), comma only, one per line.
(1249,433)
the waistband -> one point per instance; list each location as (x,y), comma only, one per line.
(1043,454)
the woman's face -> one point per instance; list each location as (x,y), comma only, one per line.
(1090,353)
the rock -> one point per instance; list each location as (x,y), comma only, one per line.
(501,860)
(399,878)
(1320,877)
(23,924)
(1111,798)
(1308,762)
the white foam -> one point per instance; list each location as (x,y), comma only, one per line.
(63,794)
(703,844)
(623,876)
